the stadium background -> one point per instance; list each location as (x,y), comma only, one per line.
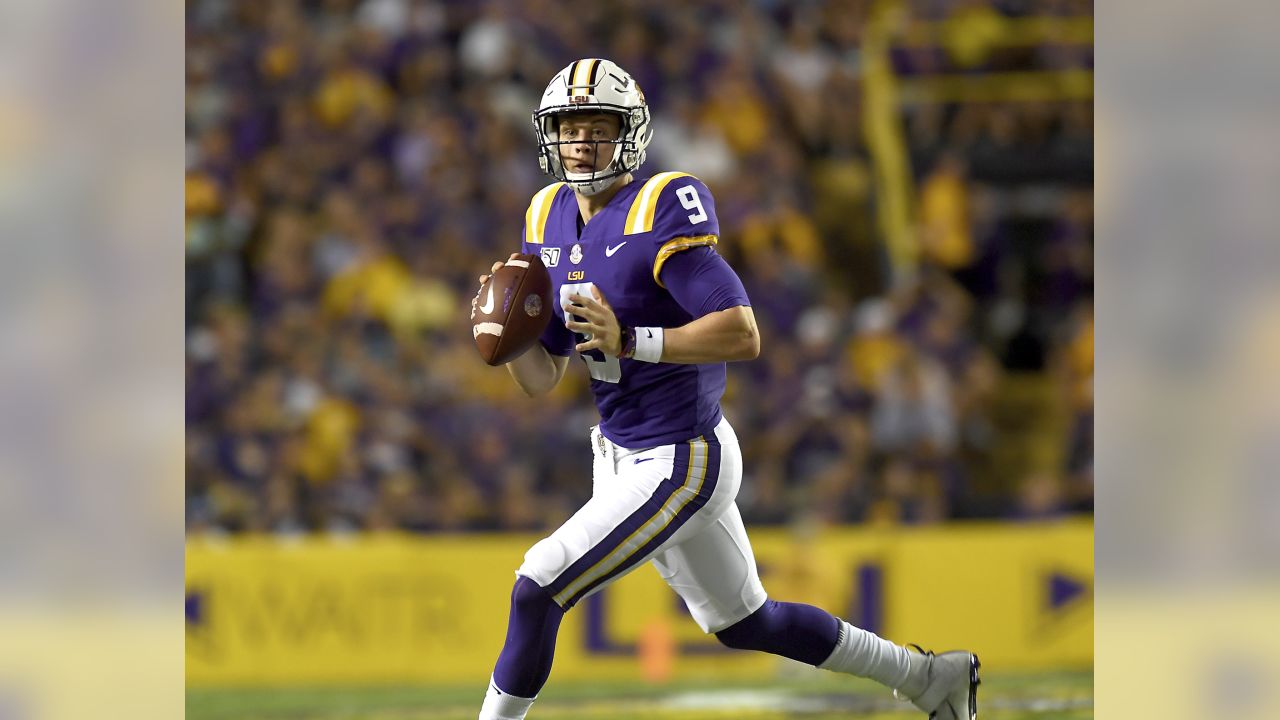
(905,188)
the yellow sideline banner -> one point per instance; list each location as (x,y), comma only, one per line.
(410,609)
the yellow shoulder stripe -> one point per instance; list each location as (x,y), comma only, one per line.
(675,245)
(535,218)
(640,217)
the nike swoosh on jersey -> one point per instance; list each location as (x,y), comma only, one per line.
(487,307)
(609,251)
(640,460)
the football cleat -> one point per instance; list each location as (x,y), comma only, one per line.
(950,684)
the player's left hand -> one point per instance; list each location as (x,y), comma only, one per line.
(601,324)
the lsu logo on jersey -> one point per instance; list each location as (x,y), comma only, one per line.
(550,256)
(578,275)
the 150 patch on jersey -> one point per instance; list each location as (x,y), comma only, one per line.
(550,256)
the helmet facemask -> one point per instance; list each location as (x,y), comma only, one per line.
(626,153)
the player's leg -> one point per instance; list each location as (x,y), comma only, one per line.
(630,516)
(653,499)
(715,574)
(714,571)
(524,664)
(525,661)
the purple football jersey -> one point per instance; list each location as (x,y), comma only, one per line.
(621,252)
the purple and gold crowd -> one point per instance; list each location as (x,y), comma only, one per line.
(353,165)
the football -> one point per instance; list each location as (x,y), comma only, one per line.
(511,310)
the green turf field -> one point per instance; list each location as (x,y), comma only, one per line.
(1045,696)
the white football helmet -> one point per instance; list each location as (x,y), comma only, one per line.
(593,85)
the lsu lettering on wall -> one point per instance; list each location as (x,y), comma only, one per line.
(434,609)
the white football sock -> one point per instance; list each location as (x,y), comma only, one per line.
(868,655)
(501,706)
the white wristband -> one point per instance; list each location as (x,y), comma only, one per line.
(648,344)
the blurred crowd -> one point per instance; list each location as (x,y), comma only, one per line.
(353,165)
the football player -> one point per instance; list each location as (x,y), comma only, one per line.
(655,313)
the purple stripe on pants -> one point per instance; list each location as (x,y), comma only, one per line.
(689,510)
(636,520)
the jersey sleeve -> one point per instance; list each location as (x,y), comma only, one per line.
(702,282)
(684,217)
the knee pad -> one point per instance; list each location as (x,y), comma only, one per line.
(544,561)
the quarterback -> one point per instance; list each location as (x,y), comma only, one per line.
(655,313)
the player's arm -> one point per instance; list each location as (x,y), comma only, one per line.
(722,336)
(536,370)
(724,328)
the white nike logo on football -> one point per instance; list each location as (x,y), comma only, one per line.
(487,307)
(609,251)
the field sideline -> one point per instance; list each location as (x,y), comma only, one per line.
(1039,696)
